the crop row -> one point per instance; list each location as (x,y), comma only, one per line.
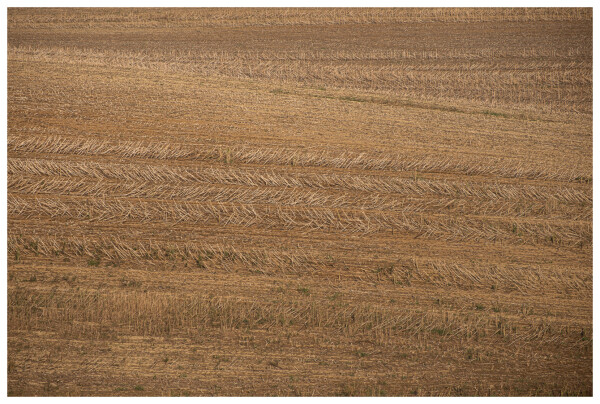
(439,226)
(503,167)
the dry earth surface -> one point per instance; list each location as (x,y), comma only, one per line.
(299,202)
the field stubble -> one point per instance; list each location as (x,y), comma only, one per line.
(286,202)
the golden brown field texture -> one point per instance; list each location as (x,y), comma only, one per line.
(299,202)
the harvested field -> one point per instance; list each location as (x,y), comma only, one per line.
(332,202)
